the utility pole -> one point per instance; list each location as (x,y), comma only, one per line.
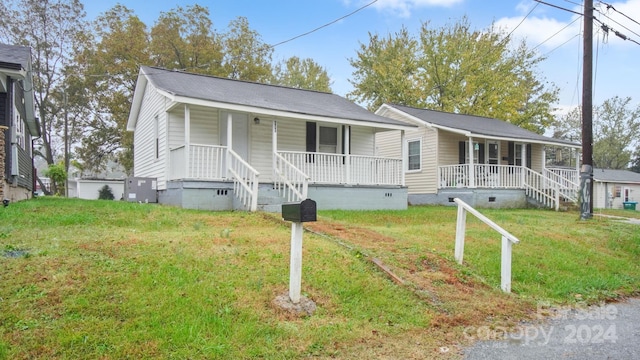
(586,172)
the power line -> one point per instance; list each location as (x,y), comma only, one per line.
(574,3)
(557,32)
(559,7)
(609,6)
(325,25)
(626,28)
(604,26)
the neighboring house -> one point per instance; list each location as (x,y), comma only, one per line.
(18,124)
(612,188)
(85,184)
(220,144)
(485,162)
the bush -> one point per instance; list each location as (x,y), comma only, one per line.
(105,193)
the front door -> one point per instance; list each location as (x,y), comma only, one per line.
(239,131)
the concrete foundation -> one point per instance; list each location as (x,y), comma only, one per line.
(480,198)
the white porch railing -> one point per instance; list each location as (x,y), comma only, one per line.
(205,162)
(568,181)
(507,241)
(547,188)
(292,182)
(245,180)
(209,162)
(486,176)
(323,168)
(541,189)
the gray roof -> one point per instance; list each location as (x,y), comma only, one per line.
(478,125)
(616,176)
(14,55)
(263,96)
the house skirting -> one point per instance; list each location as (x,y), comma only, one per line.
(481,198)
(218,196)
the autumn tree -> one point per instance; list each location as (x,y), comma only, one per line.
(109,67)
(386,70)
(616,129)
(302,74)
(246,56)
(455,69)
(184,39)
(53,29)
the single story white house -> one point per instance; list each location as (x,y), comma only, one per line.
(612,188)
(221,144)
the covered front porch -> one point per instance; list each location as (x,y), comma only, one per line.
(247,169)
(505,164)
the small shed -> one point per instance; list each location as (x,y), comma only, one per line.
(613,188)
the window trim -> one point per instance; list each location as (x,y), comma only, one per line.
(338,143)
(409,141)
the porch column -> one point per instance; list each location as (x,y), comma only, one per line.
(274,143)
(229,143)
(524,164)
(472,170)
(405,158)
(187,139)
(347,155)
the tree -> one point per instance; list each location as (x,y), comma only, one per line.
(302,74)
(386,70)
(105,193)
(111,67)
(616,129)
(53,29)
(184,39)
(635,163)
(246,56)
(616,132)
(457,70)
(58,176)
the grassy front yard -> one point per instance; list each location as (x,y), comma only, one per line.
(112,280)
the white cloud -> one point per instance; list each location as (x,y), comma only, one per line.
(403,8)
(541,31)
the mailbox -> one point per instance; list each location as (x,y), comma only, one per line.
(303,211)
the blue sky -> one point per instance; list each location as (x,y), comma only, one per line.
(551,31)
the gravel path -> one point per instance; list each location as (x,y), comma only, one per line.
(608,331)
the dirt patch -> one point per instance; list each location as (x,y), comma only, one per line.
(306,307)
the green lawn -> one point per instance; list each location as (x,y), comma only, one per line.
(113,280)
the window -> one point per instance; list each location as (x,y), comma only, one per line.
(414,155)
(328,140)
(518,155)
(617,191)
(478,153)
(156,136)
(493,153)
(19,131)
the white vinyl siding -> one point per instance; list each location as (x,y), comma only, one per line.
(145,162)
(362,141)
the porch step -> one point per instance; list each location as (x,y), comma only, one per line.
(269,199)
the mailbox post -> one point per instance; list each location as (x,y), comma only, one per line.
(297,213)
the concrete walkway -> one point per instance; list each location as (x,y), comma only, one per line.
(608,331)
